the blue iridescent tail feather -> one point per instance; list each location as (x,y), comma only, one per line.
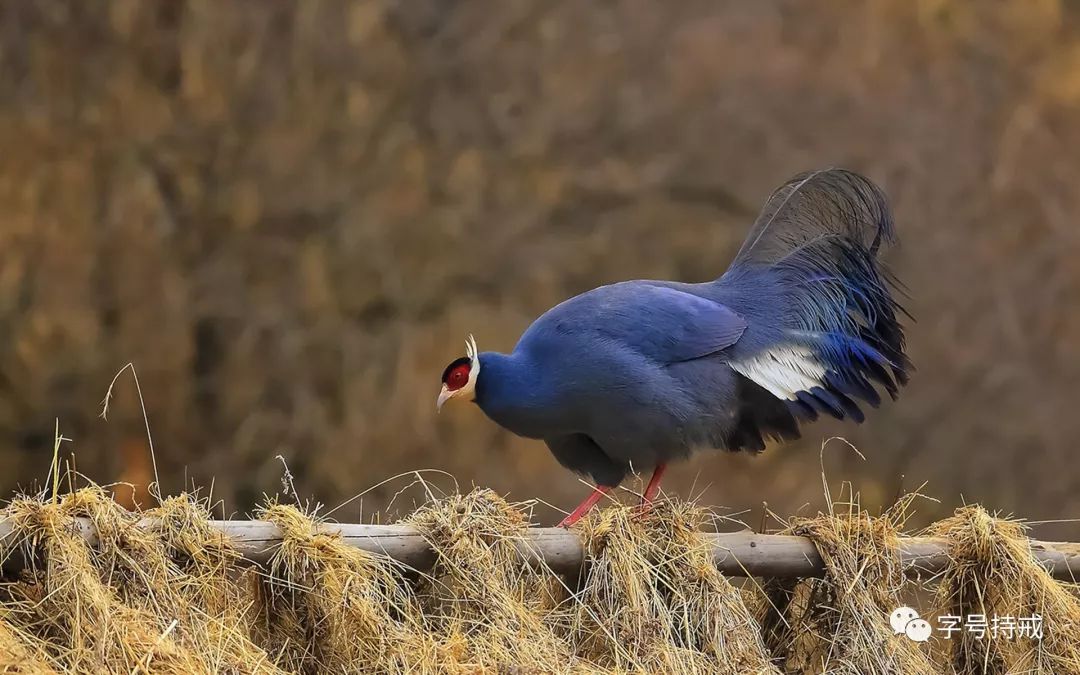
(818,237)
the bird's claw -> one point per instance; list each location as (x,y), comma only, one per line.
(643,510)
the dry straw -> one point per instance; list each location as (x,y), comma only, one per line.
(19,651)
(840,624)
(992,574)
(495,612)
(163,591)
(125,604)
(328,607)
(652,600)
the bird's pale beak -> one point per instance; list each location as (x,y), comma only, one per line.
(444,396)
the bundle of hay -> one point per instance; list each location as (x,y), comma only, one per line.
(840,623)
(131,597)
(652,600)
(497,612)
(993,574)
(329,607)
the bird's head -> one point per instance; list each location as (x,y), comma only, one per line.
(459,378)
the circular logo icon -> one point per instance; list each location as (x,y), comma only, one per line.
(900,617)
(918,630)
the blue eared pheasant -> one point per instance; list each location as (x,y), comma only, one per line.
(634,375)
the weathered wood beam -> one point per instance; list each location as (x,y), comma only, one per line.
(735,554)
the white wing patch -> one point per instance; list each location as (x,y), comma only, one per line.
(783,371)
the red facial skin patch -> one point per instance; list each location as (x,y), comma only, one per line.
(457,377)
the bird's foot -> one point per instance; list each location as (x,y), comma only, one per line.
(651,490)
(568,521)
(584,507)
(643,509)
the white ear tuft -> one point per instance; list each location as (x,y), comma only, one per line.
(470,348)
(474,367)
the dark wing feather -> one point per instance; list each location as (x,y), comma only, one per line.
(823,204)
(760,417)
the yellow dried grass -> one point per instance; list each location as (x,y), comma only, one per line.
(19,653)
(653,601)
(495,612)
(80,599)
(163,591)
(329,607)
(994,574)
(840,624)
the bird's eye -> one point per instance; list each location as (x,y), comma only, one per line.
(458,377)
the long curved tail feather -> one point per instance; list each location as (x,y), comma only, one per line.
(816,244)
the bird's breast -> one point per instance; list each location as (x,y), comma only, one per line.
(526,421)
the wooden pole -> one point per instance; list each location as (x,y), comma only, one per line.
(735,554)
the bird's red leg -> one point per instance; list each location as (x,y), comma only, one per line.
(598,492)
(653,487)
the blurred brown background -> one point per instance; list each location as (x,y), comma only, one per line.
(288,215)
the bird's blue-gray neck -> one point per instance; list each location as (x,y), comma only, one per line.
(512,392)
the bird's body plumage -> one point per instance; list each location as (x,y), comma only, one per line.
(632,375)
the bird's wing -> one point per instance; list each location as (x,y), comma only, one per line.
(819,372)
(668,325)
